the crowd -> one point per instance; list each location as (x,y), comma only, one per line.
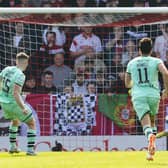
(82,3)
(80,60)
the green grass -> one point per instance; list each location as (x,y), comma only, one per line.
(84,160)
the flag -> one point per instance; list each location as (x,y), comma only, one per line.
(118,108)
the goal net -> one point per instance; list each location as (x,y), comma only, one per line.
(75,78)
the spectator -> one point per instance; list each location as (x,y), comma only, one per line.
(91,88)
(130,52)
(30,85)
(19,33)
(100,3)
(115,44)
(101,82)
(115,67)
(117,40)
(47,83)
(118,85)
(24,3)
(59,33)
(50,45)
(83,3)
(80,86)
(68,90)
(163,3)
(47,52)
(89,69)
(139,3)
(61,73)
(9,3)
(161,43)
(112,3)
(84,43)
(57,3)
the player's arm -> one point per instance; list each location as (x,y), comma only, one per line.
(128,82)
(163,70)
(17,96)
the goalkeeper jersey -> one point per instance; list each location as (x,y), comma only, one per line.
(10,76)
(144,75)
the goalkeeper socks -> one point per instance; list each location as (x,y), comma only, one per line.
(154,129)
(147,131)
(12,136)
(31,136)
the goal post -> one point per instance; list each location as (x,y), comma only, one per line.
(88,10)
(100,105)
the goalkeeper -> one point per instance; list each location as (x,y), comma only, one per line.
(11,82)
(145,92)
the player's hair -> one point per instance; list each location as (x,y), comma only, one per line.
(22,55)
(145,45)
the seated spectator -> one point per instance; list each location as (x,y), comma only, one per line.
(80,86)
(57,3)
(112,3)
(9,3)
(91,88)
(30,85)
(47,83)
(59,33)
(139,3)
(118,86)
(161,43)
(68,90)
(83,3)
(84,43)
(100,3)
(101,82)
(61,73)
(163,3)
(89,69)
(115,67)
(130,52)
(24,3)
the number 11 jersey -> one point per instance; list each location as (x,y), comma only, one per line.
(10,76)
(144,75)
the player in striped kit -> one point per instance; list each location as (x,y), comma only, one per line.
(11,81)
(142,78)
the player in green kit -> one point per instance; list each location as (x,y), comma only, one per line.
(13,106)
(142,78)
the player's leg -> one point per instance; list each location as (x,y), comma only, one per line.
(31,136)
(31,132)
(13,130)
(142,109)
(153,124)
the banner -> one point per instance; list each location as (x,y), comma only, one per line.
(118,108)
(75,114)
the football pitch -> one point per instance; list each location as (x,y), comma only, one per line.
(83,160)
